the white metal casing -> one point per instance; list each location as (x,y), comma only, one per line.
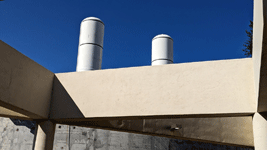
(90,44)
(162,50)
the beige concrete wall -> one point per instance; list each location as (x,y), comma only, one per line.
(25,86)
(201,88)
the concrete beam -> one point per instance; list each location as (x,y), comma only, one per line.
(212,88)
(234,131)
(25,86)
(4,112)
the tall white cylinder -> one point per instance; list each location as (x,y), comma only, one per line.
(162,50)
(90,44)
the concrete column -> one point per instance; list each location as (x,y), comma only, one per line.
(260,131)
(44,135)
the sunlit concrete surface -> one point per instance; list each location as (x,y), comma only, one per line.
(201,88)
(260,131)
(25,86)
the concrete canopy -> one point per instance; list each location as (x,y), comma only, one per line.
(215,90)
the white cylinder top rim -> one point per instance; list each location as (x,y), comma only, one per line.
(162,36)
(93,19)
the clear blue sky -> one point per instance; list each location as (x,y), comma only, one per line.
(47,31)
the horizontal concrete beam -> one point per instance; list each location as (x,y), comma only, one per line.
(4,112)
(212,88)
(234,131)
(25,86)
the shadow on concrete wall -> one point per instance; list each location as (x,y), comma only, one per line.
(26,123)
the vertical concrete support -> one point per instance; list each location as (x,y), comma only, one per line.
(258,25)
(44,136)
(260,131)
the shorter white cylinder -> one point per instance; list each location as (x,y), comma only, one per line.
(90,44)
(162,50)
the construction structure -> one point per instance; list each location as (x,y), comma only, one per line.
(221,102)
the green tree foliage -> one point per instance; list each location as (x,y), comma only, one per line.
(248,43)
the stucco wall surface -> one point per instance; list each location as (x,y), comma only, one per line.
(212,87)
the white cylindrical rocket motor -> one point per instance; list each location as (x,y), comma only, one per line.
(90,44)
(162,50)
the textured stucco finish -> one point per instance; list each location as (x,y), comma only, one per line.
(213,87)
(25,86)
